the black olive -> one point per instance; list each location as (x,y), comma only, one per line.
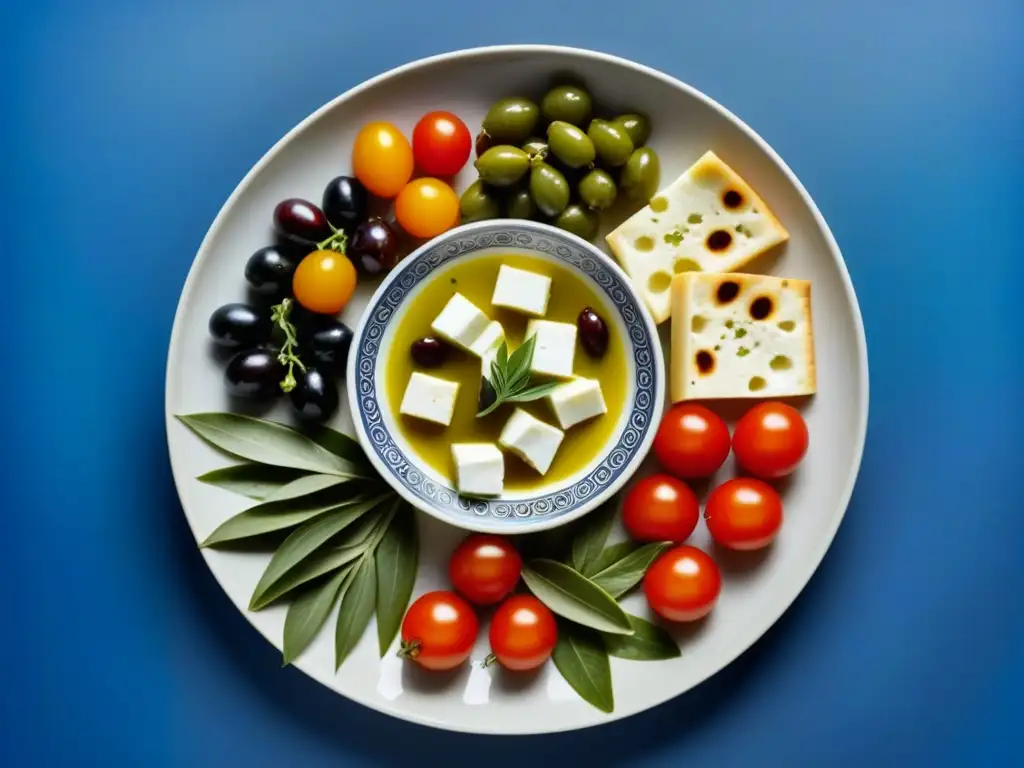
(593,332)
(269,270)
(315,397)
(301,221)
(430,352)
(487,394)
(373,247)
(345,202)
(239,325)
(254,373)
(328,341)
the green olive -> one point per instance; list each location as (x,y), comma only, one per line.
(502,165)
(641,175)
(511,120)
(570,145)
(549,189)
(579,220)
(597,189)
(611,141)
(637,126)
(520,205)
(568,103)
(535,146)
(477,204)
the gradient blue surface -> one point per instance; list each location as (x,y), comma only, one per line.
(127,124)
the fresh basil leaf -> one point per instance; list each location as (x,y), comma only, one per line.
(307,614)
(588,543)
(574,596)
(355,611)
(620,577)
(340,445)
(256,481)
(306,486)
(533,393)
(581,658)
(649,642)
(611,555)
(397,560)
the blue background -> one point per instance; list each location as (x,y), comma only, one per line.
(125,125)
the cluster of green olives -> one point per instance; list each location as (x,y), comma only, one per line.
(579,169)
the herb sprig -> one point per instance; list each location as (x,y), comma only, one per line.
(510,377)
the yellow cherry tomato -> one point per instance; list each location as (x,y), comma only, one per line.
(324,282)
(427,207)
(382,159)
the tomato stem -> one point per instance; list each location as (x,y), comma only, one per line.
(409,649)
(336,242)
(491,659)
(279,314)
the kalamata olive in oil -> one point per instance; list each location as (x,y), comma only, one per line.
(300,220)
(429,352)
(328,341)
(345,202)
(269,271)
(315,397)
(373,247)
(593,332)
(235,326)
(254,374)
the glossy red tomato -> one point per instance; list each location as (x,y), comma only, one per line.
(660,508)
(770,440)
(441,144)
(692,441)
(523,633)
(744,513)
(485,568)
(439,630)
(683,584)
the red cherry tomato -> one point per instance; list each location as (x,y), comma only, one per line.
(770,440)
(660,508)
(485,568)
(441,144)
(683,584)
(744,513)
(439,630)
(523,633)
(691,441)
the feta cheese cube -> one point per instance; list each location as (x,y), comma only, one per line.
(531,440)
(522,291)
(554,349)
(430,398)
(576,401)
(460,322)
(479,468)
(488,341)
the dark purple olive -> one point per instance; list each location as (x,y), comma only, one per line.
(483,143)
(315,397)
(239,325)
(430,352)
(345,202)
(269,270)
(373,247)
(254,373)
(328,342)
(593,332)
(301,221)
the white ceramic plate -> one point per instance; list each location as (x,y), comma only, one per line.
(755,592)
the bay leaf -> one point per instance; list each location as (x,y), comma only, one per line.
(356,608)
(621,576)
(340,445)
(307,614)
(256,481)
(305,486)
(574,596)
(649,642)
(612,554)
(319,563)
(397,559)
(581,658)
(589,542)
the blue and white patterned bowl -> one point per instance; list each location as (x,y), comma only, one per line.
(549,506)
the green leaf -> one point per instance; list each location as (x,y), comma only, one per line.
(502,356)
(649,642)
(268,442)
(581,658)
(575,597)
(356,609)
(307,614)
(497,374)
(257,481)
(520,359)
(612,554)
(397,560)
(340,445)
(587,545)
(533,393)
(621,576)
(319,563)
(305,486)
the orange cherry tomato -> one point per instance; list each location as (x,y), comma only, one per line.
(441,144)
(439,630)
(426,208)
(691,441)
(324,282)
(744,513)
(683,584)
(660,508)
(382,159)
(485,568)
(770,440)
(523,633)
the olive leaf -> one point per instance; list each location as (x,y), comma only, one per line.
(612,554)
(624,574)
(574,596)
(581,658)
(356,608)
(340,445)
(510,377)
(307,614)
(397,560)
(649,642)
(319,563)
(306,486)
(256,481)
(587,546)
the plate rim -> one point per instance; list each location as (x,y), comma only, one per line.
(813,558)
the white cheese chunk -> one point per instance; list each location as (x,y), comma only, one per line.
(576,401)
(460,322)
(430,398)
(522,291)
(707,220)
(488,342)
(531,439)
(479,468)
(554,349)
(738,335)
